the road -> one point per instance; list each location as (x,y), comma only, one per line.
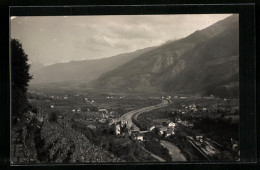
(174,151)
(154,156)
(129,116)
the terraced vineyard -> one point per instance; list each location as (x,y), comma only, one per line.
(63,145)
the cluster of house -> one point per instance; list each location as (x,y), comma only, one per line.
(166,97)
(165,129)
(76,110)
(190,108)
(185,123)
(120,128)
(89,101)
(57,97)
(105,115)
(111,97)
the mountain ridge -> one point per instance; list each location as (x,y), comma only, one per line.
(171,66)
(84,70)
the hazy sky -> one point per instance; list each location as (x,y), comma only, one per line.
(53,39)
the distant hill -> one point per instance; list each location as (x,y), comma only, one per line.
(35,66)
(204,62)
(82,71)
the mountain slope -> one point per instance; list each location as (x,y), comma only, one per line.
(82,71)
(200,63)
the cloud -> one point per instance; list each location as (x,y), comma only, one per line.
(51,39)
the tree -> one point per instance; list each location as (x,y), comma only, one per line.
(20,78)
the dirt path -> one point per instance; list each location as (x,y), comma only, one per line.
(174,151)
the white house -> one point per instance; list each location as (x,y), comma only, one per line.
(171,124)
(168,132)
(117,129)
(137,136)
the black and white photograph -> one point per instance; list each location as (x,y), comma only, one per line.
(90,89)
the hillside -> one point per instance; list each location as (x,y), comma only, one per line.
(200,63)
(82,71)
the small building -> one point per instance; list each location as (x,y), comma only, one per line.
(169,132)
(199,138)
(192,106)
(171,124)
(51,106)
(73,110)
(137,136)
(117,129)
(161,130)
(65,97)
(175,97)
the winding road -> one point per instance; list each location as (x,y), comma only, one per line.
(129,116)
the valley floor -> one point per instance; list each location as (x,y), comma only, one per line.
(121,128)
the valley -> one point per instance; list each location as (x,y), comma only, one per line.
(175,102)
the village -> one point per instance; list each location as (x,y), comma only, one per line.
(150,129)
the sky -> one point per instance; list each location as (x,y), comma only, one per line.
(57,39)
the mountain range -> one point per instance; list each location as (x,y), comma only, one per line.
(82,71)
(205,62)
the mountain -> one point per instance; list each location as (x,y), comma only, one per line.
(204,62)
(82,71)
(35,66)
